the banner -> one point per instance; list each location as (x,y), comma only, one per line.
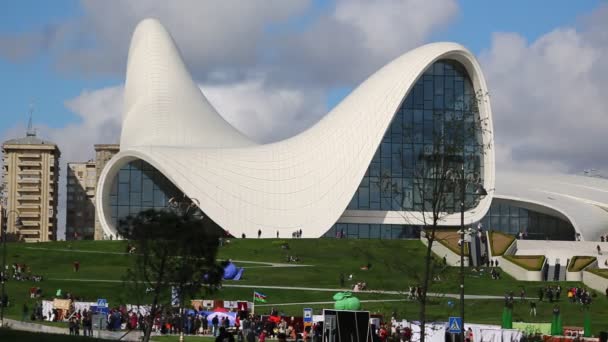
(63,304)
(230,316)
(533,328)
(230,304)
(197,304)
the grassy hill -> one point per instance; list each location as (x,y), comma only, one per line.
(396,265)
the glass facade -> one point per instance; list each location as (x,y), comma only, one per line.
(373,231)
(439,113)
(508,218)
(138,186)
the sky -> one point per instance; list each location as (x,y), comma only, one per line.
(273,68)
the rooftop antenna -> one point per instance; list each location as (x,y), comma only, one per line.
(31,132)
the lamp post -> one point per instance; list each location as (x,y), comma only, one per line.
(480,191)
(4,276)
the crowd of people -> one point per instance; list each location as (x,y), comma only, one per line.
(551,294)
(20,272)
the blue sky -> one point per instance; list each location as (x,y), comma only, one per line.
(37,78)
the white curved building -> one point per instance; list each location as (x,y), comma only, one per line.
(324,180)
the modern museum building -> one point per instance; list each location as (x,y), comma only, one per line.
(362,171)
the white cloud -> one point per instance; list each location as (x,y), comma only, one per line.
(266,113)
(548,97)
(348,44)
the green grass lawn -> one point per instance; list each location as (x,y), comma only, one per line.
(396,265)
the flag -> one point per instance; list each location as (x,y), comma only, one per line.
(259,297)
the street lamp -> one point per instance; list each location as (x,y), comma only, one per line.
(480,191)
(4,275)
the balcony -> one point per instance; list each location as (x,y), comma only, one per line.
(28,189)
(29,214)
(34,224)
(29,172)
(28,197)
(29,155)
(28,163)
(28,206)
(28,180)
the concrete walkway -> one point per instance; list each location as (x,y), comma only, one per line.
(47,329)
(263,264)
(297,288)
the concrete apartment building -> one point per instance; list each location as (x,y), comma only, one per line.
(103,153)
(80,201)
(81,222)
(30,178)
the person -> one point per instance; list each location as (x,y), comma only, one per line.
(277,234)
(25,312)
(262,337)
(607,292)
(599,250)
(87,325)
(259,233)
(76,265)
(72,326)
(533,309)
(541,294)
(469,335)
(522,294)
(214,323)
(224,336)
(383,333)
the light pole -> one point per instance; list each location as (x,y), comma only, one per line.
(4,276)
(480,191)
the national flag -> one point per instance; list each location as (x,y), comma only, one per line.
(259,297)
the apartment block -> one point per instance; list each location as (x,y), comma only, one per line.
(103,153)
(30,179)
(80,201)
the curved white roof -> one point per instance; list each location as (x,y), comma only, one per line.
(304,182)
(579,199)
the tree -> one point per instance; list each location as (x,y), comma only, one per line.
(445,177)
(173,249)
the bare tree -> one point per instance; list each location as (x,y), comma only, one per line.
(173,249)
(445,177)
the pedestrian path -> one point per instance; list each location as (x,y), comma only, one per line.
(298,288)
(263,264)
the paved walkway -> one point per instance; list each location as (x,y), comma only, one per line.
(134,335)
(262,263)
(297,288)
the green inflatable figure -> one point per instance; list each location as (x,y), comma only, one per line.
(346,301)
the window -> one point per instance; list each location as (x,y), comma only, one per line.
(409,142)
(138,186)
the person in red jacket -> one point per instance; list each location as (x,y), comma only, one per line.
(262,337)
(383,333)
